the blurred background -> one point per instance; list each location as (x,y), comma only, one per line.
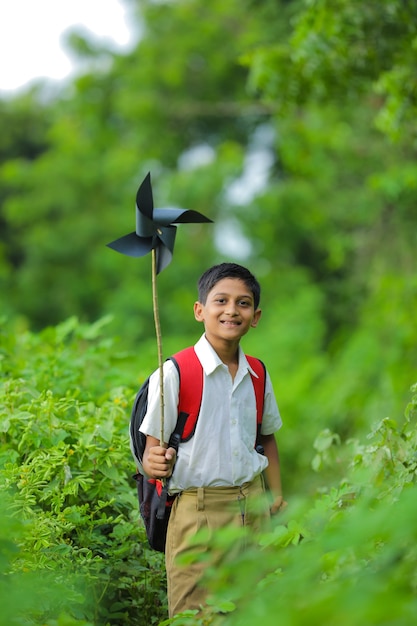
(292,125)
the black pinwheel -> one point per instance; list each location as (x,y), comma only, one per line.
(155,228)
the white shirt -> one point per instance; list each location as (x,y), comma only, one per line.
(221,451)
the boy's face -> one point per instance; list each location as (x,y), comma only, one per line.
(229,311)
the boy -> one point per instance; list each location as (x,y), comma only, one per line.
(217,471)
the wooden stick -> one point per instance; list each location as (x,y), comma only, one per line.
(159,344)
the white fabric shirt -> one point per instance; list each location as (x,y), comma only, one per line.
(221,451)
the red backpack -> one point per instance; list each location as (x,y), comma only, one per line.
(154,502)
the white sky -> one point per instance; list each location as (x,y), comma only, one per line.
(30,33)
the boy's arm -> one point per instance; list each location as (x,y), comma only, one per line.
(273,471)
(158,462)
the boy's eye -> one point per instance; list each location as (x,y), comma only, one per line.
(242,303)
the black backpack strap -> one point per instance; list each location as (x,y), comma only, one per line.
(138,439)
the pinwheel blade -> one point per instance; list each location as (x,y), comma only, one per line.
(165,217)
(165,246)
(163,258)
(144,197)
(132,245)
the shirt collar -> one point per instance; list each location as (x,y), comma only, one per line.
(210,360)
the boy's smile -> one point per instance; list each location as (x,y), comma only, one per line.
(228,312)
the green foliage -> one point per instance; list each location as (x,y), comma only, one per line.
(27,597)
(342,50)
(66,468)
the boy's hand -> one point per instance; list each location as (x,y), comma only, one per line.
(278,505)
(161,461)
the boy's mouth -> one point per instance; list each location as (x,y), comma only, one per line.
(230,323)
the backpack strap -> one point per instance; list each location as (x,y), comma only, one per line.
(190,372)
(138,439)
(259,382)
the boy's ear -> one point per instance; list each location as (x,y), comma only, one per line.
(256,318)
(198,311)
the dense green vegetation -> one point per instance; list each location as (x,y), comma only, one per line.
(66,467)
(292,125)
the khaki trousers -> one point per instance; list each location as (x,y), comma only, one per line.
(207,508)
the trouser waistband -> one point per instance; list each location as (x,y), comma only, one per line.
(211,494)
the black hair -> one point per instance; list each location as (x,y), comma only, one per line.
(228,270)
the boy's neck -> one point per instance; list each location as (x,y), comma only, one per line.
(228,352)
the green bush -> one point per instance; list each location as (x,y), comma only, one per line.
(65,464)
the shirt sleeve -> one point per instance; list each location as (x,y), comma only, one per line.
(151,424)
(271,420)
